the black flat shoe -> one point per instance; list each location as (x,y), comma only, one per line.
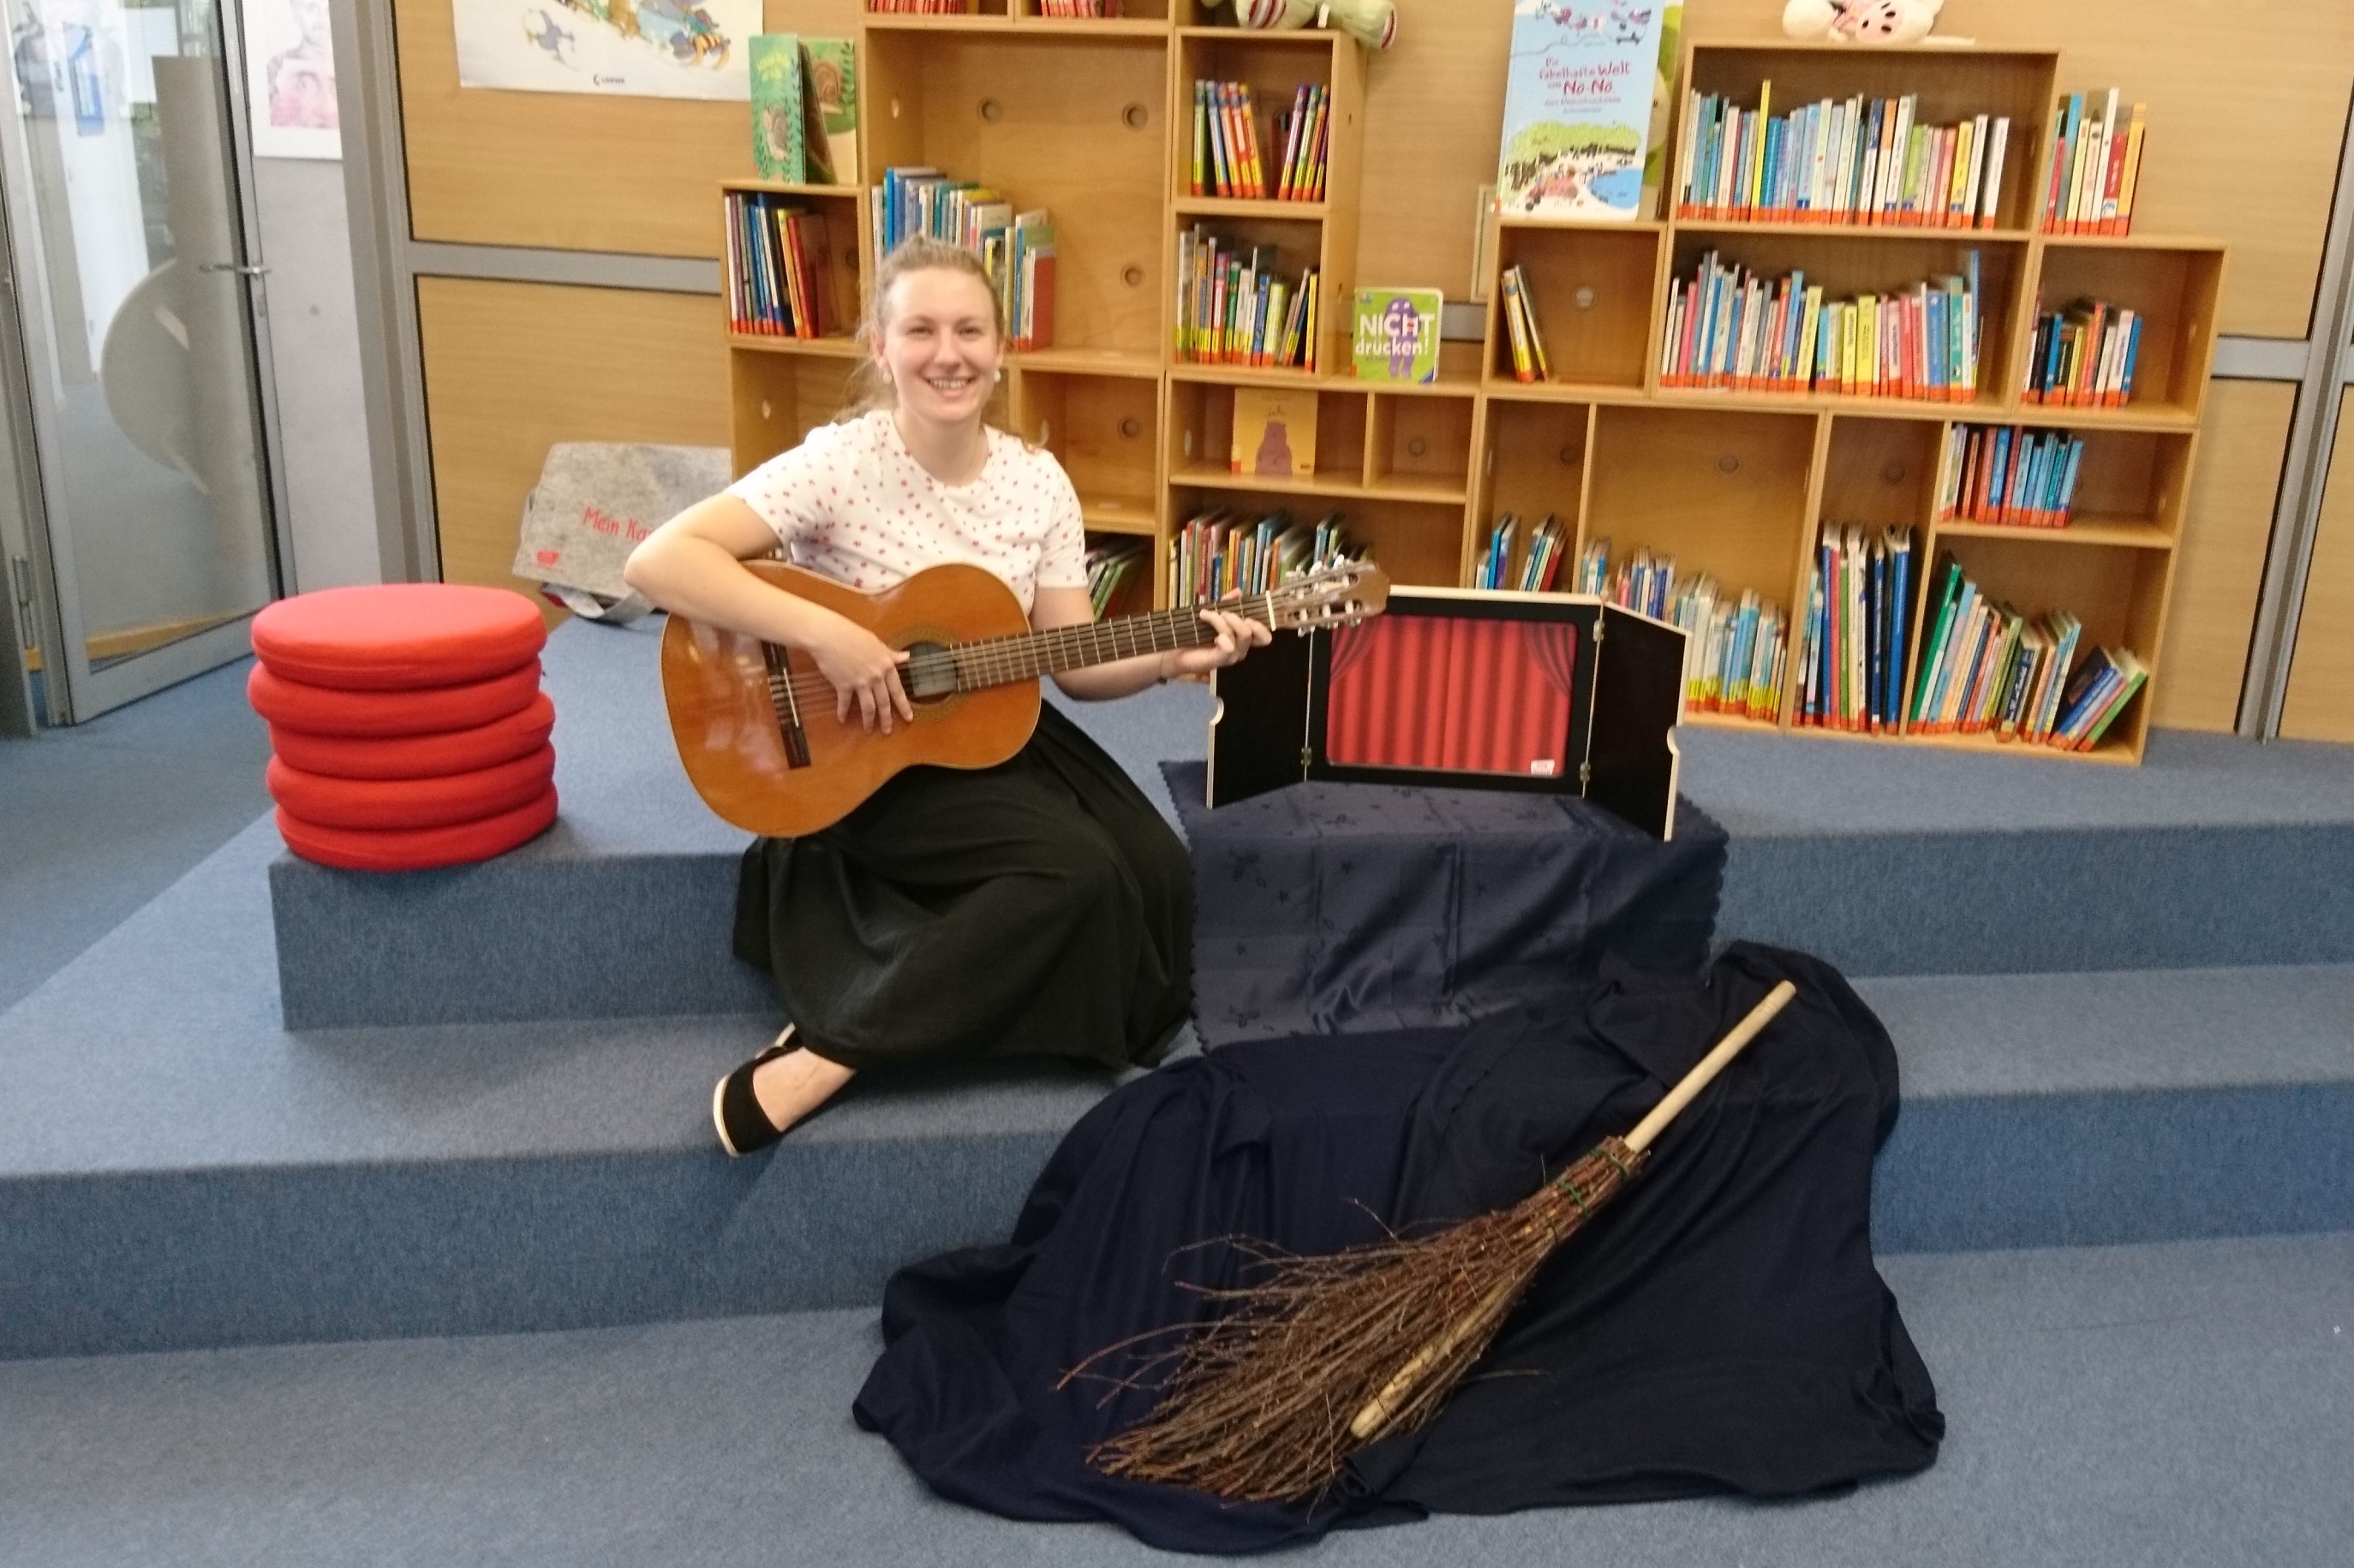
(736,1111)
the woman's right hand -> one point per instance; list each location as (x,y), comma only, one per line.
(865,670)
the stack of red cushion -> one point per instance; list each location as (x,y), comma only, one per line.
(409,724)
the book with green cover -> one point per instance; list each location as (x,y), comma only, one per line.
(1393,334)
(833,81)
(788,137)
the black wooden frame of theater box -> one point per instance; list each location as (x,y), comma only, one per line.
(1269,726)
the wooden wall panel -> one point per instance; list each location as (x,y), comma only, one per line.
(570,172)
(2246,127)
(2226,529)
(2321,680)
(512,367)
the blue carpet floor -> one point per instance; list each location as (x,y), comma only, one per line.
(2134,1407)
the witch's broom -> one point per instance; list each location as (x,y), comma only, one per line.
(1326,1354)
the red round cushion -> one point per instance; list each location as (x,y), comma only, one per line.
(418,756)
(329,802)
(417,849)
(398,636)
(430,710)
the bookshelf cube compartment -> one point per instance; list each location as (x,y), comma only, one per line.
(2131,488)
(2173,288)
(1072,122)
(1882,472)
(1201,437)
(1105,430)
(1274,66)
(1420,446)
(1723,492)
(778,397)
(1533,464)
(836,249)
(1417,544)
(1591,290)
(1951,86)
(1283,249)
(1136,589)
(1877,262)
(2118,592)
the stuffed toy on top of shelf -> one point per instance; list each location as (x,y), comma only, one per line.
(1373,23)
(1883,23)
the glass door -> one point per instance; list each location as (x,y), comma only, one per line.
(135,354)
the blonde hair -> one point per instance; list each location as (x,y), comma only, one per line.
(869,386)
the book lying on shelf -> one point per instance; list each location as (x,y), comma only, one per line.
(1229,157)
(1577,109)
(1117,570)
(1236,306)
(790,143)
(2009,475)
(1988,669)
(1275,432)
(1729,329)
(1735,650)
(1859,619)
(1224,553)
(2095,165)
(1857,160)
(778,283)
(1393,334)
(1538,567)
(1017,249)
(2084,356)
(1522,332)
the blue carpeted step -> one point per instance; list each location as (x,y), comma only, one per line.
(176,1170)
(1884,860)
(2110,1408)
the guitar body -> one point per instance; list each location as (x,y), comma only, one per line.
(726,721)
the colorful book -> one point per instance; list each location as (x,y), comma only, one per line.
(1577,109)
(1393,334)
(1275,434)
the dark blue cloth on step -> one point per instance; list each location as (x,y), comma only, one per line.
(1720,1328)
(1330,908)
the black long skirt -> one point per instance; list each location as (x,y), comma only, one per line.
(1039,907)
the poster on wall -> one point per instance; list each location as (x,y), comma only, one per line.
(640,49)
(289,78)
(1577,108)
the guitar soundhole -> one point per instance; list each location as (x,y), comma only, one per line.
(930,673)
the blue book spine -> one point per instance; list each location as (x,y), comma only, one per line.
(2068,478)
(1997,496)
(1900,630)
(2132,357)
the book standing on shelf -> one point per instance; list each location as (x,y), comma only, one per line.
(1859,618)
(1577,110)
(1393,334)
(1236,307)
(1735,651)
(2084,356)
(1223,555)
(778,285)
(1228,156)
(1115,570)
(1728,329)
(1275,432)
(1861,161)
(1091,10)
(1987,668)
(790,143)
(924,7)
(1522,331)
(2095,166)
(1017,249)
(2009,475)
(1538,567)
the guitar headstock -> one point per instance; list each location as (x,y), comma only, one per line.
(1340,595)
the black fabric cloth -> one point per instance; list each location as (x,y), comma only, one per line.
(1721,1326)
(1337,908)
(1039,907)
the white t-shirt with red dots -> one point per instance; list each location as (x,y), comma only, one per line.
(852,503)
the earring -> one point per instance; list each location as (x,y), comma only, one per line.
(1001,373)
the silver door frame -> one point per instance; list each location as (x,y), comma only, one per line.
(25,346)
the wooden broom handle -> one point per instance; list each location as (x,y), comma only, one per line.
(1378,1410)
(1698,1078)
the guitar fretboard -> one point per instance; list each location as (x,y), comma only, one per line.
(997,661)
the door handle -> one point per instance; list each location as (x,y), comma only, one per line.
(238,268)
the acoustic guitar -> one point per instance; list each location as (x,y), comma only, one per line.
(754,722)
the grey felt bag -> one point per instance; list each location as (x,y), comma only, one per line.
(594,501)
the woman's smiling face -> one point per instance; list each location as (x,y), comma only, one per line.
(940,346)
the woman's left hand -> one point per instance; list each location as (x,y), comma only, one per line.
(1237,635)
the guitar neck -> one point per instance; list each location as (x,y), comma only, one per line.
(1000,660)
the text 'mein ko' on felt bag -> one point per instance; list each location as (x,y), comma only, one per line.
(594,501)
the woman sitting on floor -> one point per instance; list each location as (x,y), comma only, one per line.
(1042,907)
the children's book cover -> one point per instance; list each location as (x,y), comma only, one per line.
(1577,108)
(1393,334)
(780,117)
(1275,434)
(834,83)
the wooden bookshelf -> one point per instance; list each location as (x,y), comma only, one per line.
(1090,119)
